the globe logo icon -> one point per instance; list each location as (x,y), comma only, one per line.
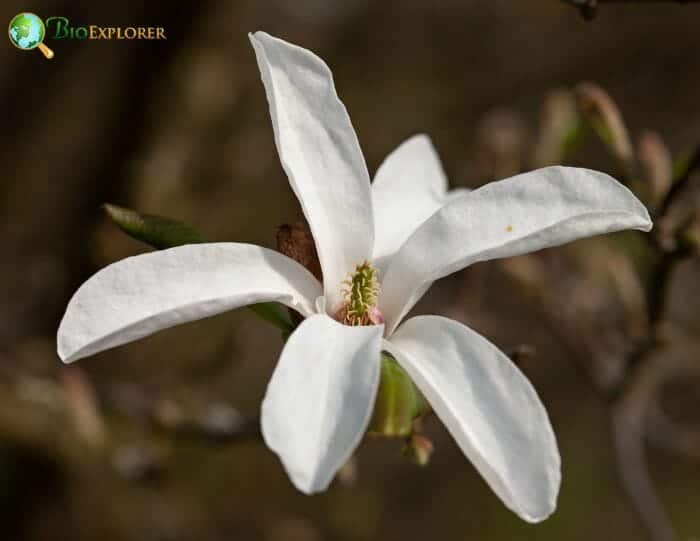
(27,31)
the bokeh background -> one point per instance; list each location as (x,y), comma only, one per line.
(181,128)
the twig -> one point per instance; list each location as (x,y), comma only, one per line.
(212,423)
(35,413)
(681,183)
(660,283)
(589,8)
(632,393)
(656,299)
(664,433)
(648,368)
(630,425)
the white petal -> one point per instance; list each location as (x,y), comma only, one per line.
(488,406)
(522,214)
(409,186)
(413,166)
(140,295)
(320,398)
(454,193)
(320,153)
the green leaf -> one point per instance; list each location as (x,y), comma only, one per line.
(274,313)
(156,231)
(398,402)
(161,233)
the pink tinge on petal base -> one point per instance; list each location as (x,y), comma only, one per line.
(375,316)
(371,316)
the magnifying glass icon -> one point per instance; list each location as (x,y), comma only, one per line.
(27,32)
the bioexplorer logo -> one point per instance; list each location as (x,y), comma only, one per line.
(27,31)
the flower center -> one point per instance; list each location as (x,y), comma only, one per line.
(360,295)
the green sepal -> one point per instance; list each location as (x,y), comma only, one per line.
(161,233)
(399,403)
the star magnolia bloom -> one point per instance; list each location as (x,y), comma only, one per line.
(404,225)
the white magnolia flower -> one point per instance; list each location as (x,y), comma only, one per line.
(321,395)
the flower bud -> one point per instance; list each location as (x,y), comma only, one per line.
(656,165)
(398,402)
(604,117)
(501,139)
(419,449)
(560,128)
(296,242)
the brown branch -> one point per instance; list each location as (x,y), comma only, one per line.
(630,396)
(63,422)
(631,416)
(669,435)
(628,438)
(211,423)
(634,402)
(633,393)
(638,1)
(589,351)
(588,8)
(659,286)
(681,183)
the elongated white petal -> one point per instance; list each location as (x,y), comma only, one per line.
(413,166)
(488,406)
(320,153)
(320,398)
(522,214)
(409,186)
(143,294)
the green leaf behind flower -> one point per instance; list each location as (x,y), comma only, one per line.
(162,233)
(156,231)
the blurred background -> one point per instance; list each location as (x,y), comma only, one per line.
(157,440)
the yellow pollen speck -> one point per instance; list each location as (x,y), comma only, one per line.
(509,229)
